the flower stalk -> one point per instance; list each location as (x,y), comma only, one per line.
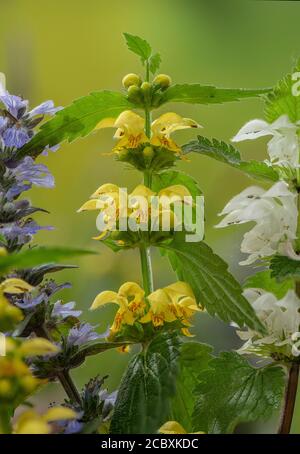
(146,265)
(69,386)
(63,376)
(289,400)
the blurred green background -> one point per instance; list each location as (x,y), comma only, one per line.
(64,49)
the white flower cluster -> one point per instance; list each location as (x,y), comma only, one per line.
(282,320)
(275,214)
(283,148)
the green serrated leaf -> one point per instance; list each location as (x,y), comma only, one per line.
(194,358)
(37,256)
(77,120)
(154,63)
(138,46)
(232,392)
(282,101)
(143,402)
(170,177)
(267,282)
(214,287)
(283,267)
(207,94)
(228,154)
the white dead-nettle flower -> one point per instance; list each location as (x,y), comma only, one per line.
(282,320)
(283,148)
(275,213)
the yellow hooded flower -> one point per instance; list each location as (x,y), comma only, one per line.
(10,315)
(183,299)
(130,129)
(165,125)
(16,379)
(129,298)
(173,427)
(161,309)
(107,201)
(174,302)
(30,422)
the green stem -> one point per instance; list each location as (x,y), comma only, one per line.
(146,269)
(147,122)
(63,376)
(69,386)
(147,71)
(5,425)
(148,178)
(145,253)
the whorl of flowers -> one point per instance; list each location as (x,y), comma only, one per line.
(275,212)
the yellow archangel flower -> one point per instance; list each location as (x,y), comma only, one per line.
(173,427)
(130,129)
(16,379)
(165,125)
(30,422)
(10,314)
(129,298)
(174,302)
(113,204)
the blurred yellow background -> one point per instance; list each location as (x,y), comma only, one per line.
(64,49)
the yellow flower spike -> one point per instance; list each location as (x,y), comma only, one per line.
(165,125)
(179,289)
(130,299)
(37,346)
(14,285)
(175,193)
(142,191)
(132,291)
(103,298)
(173,427)
(58,413)
(130,129)
(30,422)
(90,205)
(161,309)
(106,188)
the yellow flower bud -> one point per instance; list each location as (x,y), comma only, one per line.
(134,94)
(131,79)
(163,81)
(148,152)
(123,154)
(116,235)
(146,86)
